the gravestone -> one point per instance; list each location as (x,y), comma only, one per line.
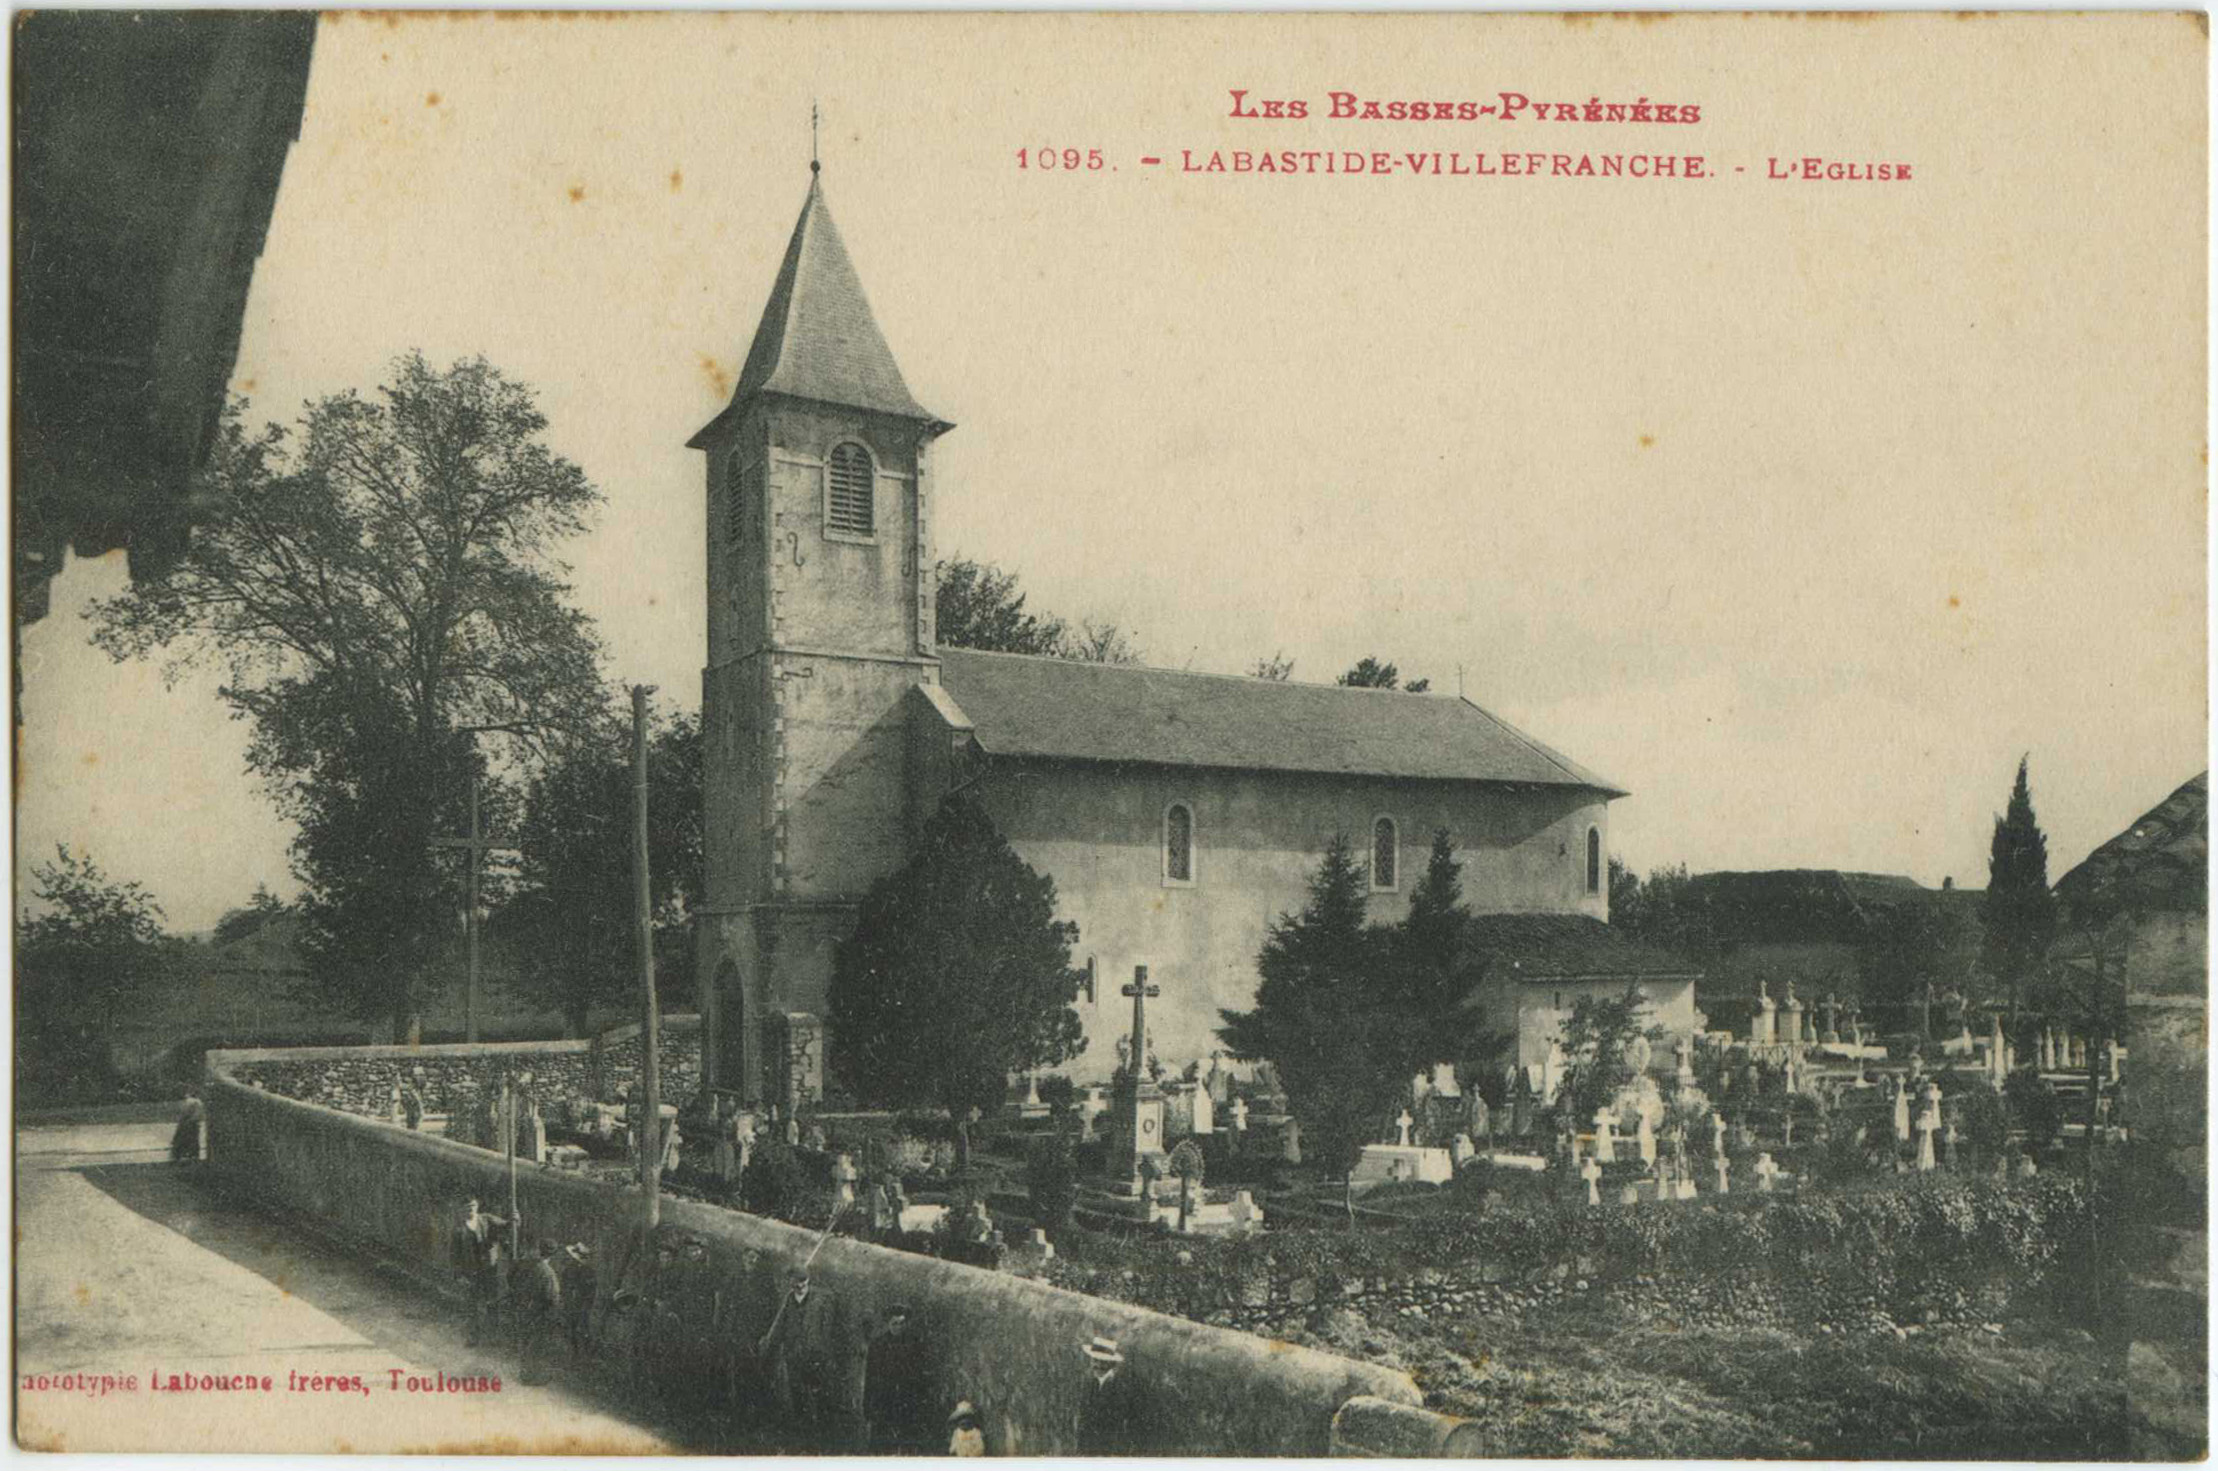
(1767,1170)
(1591,1172)
(1605,1141)
(1136,1130)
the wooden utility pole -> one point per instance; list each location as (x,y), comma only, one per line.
(650,1037)
(508,1125)
(475,845)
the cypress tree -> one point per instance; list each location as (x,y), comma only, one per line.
(2019,911)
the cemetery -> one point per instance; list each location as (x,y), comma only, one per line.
(1810,1188)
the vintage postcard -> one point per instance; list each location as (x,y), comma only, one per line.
(1138,734)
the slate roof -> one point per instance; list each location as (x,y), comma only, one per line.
(1568,947)
(1020,705)
(818,339)
(2162,862)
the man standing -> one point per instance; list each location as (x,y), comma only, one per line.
(541,1314)
(483,1259)
(579,1283)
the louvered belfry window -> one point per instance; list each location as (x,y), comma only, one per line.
(848,508)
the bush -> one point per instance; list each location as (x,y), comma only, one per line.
(775,1183)
(2034,1106)
(1984,1121)
(1052,1180)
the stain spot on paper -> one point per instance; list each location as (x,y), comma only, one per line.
(431,99)
(1648,441)
(577,193)
(1954,601)
(677,181)
(719,380)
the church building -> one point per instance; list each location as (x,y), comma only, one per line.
(1178,813)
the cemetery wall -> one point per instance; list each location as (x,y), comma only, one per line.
(361,1079)
(2168,1043)
(1096,829)
(1012,1346)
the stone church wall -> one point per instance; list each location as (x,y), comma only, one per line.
(1014,1347)
(1097,830)
(360,1080)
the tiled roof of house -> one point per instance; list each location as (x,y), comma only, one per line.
(2162,862)
(1568,947)
(818,339)
(1020,705)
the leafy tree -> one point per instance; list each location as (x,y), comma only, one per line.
(1666,908)
(2018,911)
(1277,667)
(82,965)
(1323,1017)
(976,605)
(1596,1038)
(1370,674)
(572,913)
(251,918)
(958,975)
(1624,894)
(1908,946)
(380,589)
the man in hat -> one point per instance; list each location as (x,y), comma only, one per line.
(480,1254)
(896,1390)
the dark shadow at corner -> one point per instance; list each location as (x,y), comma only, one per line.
(377,1299)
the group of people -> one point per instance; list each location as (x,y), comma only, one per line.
(544,1299)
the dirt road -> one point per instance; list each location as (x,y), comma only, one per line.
(131,1268)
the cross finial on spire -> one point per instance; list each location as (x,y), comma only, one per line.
(814,165)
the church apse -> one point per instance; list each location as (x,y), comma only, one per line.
(1257,837)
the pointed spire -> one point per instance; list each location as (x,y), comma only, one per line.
(818,339)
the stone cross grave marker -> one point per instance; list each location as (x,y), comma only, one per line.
(475,844)
(1767,1170)
(1724,1168)
(1402,1125)
(1605,1144)
(1591,1172)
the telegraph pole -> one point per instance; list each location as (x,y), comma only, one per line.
(652,1143)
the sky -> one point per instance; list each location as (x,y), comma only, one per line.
(1802,510)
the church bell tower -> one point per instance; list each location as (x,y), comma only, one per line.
(820,622)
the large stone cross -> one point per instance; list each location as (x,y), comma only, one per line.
(1140,991)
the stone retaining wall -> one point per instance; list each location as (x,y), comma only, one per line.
(709,1281)
(361,1080)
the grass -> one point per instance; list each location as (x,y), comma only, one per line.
(1593,1380)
